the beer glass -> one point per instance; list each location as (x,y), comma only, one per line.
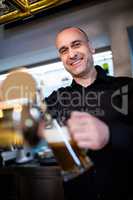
(71,158)
(19,122)
(10,134)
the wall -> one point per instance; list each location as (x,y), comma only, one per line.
(105,23)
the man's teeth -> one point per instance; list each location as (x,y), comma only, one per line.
(75,63)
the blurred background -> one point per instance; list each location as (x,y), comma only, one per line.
(28,29)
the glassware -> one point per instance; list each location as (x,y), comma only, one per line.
(10,134)
(71,158)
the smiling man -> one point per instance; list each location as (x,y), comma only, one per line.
(76,54)
(92,109)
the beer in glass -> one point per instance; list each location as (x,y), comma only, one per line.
(70,157)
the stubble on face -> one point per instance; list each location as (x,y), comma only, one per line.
(81,63)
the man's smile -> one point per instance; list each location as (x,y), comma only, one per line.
(76,62)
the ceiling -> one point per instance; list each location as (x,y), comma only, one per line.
(17,10)
(13,10)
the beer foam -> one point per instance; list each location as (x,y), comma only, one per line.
(54,136)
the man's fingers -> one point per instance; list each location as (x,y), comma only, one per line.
(78,126)
(77,122)
(89,145)
(76,114)
(88,131)
(79,136)
(84,144)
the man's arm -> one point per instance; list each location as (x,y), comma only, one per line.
(91,133)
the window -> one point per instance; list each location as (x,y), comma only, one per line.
(52,76)
(104,59)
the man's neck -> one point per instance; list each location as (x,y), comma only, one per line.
(87,79)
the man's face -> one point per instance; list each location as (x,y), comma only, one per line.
(75,52)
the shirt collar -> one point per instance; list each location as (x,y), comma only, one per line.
(101,76)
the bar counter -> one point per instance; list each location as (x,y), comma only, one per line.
(31,182)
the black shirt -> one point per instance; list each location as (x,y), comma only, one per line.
(111,100)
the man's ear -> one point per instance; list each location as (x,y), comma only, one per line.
(92,50)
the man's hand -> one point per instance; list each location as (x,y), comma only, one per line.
(88,131)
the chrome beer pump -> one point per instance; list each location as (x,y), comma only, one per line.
(20,118)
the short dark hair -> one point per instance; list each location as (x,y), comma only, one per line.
(81,30)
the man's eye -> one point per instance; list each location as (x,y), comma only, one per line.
(77,44)
(63,51)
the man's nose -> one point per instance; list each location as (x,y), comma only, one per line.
(72,53)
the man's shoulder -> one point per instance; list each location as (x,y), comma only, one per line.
(113,80)
(62,90)
(123,82)
(58,92)
(120,79)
